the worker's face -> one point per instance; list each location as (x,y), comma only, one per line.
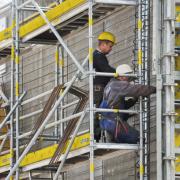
(106,47)
(123,78)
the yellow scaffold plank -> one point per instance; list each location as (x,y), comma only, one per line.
(178,115)
(177,164)
(177,139)
(177,63)
(46,153)
(177,91)
(38,22)
(178,14)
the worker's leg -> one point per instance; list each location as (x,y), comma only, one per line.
(127,135)
(98,96)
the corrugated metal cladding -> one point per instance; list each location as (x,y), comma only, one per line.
(37,67)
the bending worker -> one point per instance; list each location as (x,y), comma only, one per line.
(114,97)
(106,40)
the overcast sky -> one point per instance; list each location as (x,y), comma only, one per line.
(3,2)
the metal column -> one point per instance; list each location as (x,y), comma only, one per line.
(61,64)
(17,51)
(56,83)
(156,70)
(139,44)
(91,89)
(168,43)
(12,86)
(145,45)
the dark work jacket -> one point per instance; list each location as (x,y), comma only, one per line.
(116,91)
(100,64)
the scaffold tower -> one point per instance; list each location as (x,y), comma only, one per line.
(58,20)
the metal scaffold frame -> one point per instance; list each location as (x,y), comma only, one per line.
(163,57)
(162,79)
(91,107)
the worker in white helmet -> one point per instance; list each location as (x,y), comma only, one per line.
(114,97)
(106,40)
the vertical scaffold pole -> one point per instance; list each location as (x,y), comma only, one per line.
(56,83)
(61,64)
(156,55)
(141,166)
(91,98)
(12,86)
(17,82)
(168,77)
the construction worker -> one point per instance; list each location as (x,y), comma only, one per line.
(106,40)
(115,97)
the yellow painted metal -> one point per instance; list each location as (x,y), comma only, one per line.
(61,62)
(57,57)
(177,139)
(139,24)
(46,153)
(178,115)
(177,90)
(38,22)
(178,13)
(177,163)
(141,169)
(116,110)
(17,89)
(177,63)
(5,160)
(116,75)
(90,55)
(90,21)
(177,38)
(140,56)
(92,167)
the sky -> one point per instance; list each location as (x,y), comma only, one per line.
(4,2)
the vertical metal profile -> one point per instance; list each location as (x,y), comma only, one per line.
(168,77)
(145,36)
(56,83)
(156,64)
(91,98)
(17,82)
(12,86)
(61,64)
(141,166)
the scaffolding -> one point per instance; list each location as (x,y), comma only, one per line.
(47,21)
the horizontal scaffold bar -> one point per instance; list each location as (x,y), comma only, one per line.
(116,146)
(118,2)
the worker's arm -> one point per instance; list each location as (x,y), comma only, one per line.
(124,88)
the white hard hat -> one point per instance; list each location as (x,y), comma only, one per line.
(123,69)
